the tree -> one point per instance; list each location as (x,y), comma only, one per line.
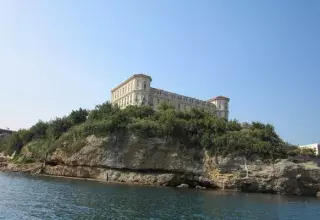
(39,129)
(57,127)
(165,106)
(307,152)
(233,125)
(103,111)
(25,135)
(78,116)
(15,142)
(139,111)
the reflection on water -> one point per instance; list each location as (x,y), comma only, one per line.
(30,197)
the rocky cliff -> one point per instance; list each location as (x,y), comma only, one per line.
(155,161)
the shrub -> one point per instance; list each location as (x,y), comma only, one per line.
(39,130)
(25,135)
(78,116)
(195,128)
(145,128)
(57,127)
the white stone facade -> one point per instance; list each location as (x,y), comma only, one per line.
(315,146)
(137,90)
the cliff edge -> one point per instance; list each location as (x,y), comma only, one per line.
(155,161)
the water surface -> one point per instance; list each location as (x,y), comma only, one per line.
(38,197)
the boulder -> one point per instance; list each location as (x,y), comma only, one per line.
(183,185)
(200,187)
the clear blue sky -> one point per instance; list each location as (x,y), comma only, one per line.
(59,55)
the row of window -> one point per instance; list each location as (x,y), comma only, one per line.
(127,100)
(123,90)
(128,88)
(180,97)
(179,106)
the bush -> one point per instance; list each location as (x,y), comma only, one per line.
(26,135)
(57,127)
(38,148)
(15,142)
(195,128)
(39,130)
(21,159)
(145,128)
(78,116)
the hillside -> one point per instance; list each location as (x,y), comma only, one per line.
(167,147)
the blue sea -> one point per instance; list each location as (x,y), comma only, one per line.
(25,196)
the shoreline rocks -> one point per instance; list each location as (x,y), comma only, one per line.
(183,185)
(155,162)
(284,182)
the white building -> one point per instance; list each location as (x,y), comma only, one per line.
(4,133)
(315,146)
(137,90)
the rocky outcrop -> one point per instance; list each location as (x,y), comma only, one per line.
(111,175)
(127,176)
(133,153)
(183,185)
(284,177)
(26,168)
(154,161)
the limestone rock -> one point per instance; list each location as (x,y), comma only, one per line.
(153,161)
(183,185)
(136,154)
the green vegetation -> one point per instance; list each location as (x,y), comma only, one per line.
(194,129)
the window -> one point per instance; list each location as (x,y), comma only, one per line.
(151,101)
(158,101)
(138,84)
(178,106)
(144,85)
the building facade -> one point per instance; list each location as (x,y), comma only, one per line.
(137,90)
(315,146)
(4,133)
